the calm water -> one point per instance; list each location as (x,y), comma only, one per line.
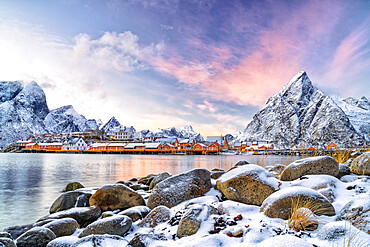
(29,183)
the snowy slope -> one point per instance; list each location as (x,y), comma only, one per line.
(185,132)
(358,112)
(110,126)
(22,113)
(65,120)
(301,115)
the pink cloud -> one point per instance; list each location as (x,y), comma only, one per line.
(280,52)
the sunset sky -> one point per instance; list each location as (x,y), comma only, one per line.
(163,63)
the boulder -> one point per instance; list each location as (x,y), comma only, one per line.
(16,231)
(361,165)
(136,213)
(192,218)
(139,187)
(181,187)
(5,235)
(73,186)
(63,227)
(7,242)
(83,215)
(107,214)
(249,184)
(343,170)
(100,241)
(157,216)
(36,237)
(357,211)
(324,184)
(217,174)
(343,234)
(66,201)
(65,241)
(310,166)
(116,196)
(146,180)
(280,203)
(158,178)
(115,225)
(144,240)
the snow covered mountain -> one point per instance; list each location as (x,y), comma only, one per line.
(185,132)
(301,115)
(358,112)
(65,120)
(110,126)
(24,112)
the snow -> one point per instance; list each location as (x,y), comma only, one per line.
(284,241)
(259,173)
(64,241)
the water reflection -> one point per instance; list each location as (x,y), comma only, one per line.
(29,183)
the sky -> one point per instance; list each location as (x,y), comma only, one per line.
(161,63)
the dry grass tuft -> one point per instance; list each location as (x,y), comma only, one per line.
(303,215)
(341,156)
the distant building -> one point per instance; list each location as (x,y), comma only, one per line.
(75,144)
(123,133)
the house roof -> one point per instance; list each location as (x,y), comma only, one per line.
(152,145)
(116,144)
(166,140)
(133,145)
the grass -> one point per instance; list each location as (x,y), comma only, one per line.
(341,156)
(303,214)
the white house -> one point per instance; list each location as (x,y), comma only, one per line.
(75,144)
(124,133)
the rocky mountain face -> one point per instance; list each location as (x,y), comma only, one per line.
(300,115)
(65,120)
(109,126)
(24,112)
(185,132)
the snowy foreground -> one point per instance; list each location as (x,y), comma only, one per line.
(177,212)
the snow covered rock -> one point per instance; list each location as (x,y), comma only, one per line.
(110,126)
(358,212)
(66,241)
(361,165)
(342,233)
(9,89)
(116,196)
(83,215)
(191,220)
(303,115)
(115,225)
(36,237)
(63,227)
(136,213)
(250,184)
(284,241)
(310,166)
(101,241)
(157,216)
(144,240)
(5,235)
(280,203)
(181,187)
(343,170)
(6,242)
(68,200)
(158,178)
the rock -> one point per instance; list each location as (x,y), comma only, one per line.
(217,174)
(83,200)
(357,211)
(241,163)
(310,166)
(7,242)
(136,213)
(134,180)
(342,233)
(16,231)
(63,227)
(5,235)
(66,241)
(139,187)
(279,204)
(83,215)
(349,162)
(73,186)
(115,225)
(36,237)
(116,196)
(191,220)
(66,201)
(158,215)
(144,240)
(361,165)
(107,214)
(249,184)
(179,188)
(343,170)
(146,180)
(101,241)
(324,184)
(158,178)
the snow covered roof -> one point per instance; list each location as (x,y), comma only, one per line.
(218,139)
(116,144)
(100,144)
(50,144)
(184,141)
(152,145)
(166,140)
(133,145)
